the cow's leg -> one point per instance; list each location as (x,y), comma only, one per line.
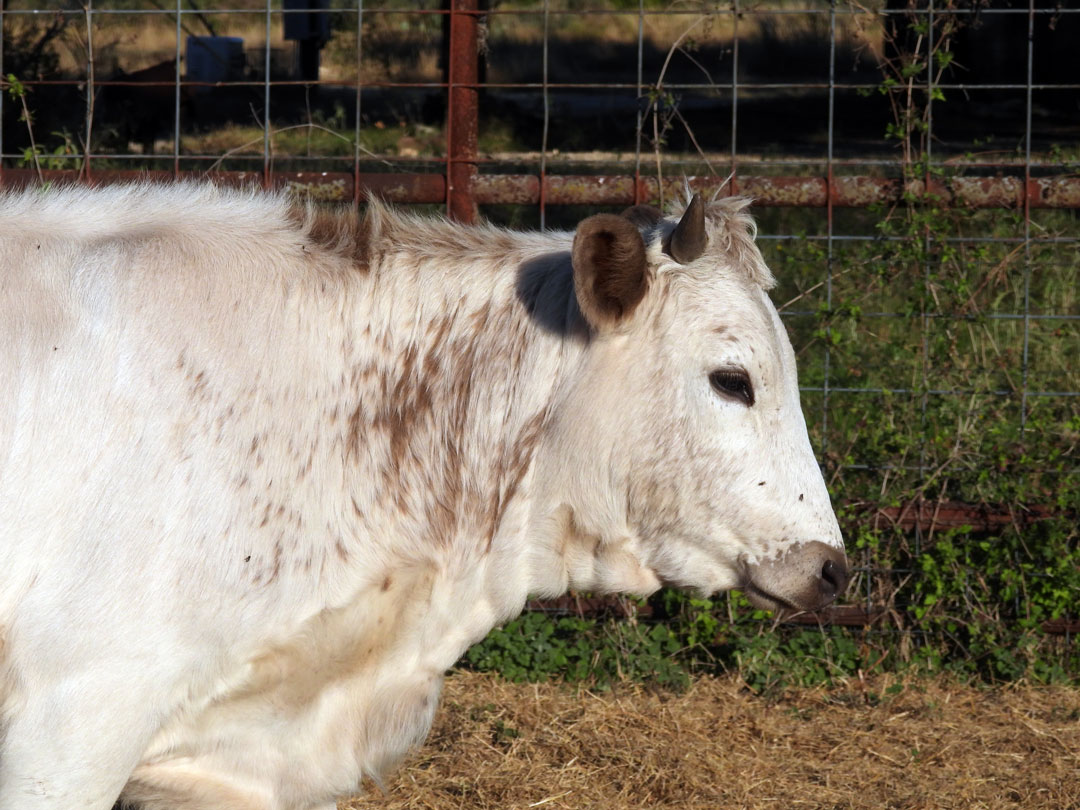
(185,784)
(74,744)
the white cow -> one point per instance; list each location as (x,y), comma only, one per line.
(267,472)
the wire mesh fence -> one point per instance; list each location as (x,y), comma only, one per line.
(915,164)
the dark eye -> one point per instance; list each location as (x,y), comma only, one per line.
(733,382)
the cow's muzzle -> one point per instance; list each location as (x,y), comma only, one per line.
(806,576)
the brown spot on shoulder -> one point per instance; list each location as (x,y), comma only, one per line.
(352,436)
(511,473)
(303,473)
(199,387)
(325,229)
(341,231)
(386,583)
(432,365)
(277,563)
(480,316)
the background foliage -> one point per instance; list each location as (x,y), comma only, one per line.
(948,393)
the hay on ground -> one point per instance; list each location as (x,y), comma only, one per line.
(881,744)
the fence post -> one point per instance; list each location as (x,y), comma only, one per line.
(462,111)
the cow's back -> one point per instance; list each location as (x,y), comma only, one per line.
(126,349)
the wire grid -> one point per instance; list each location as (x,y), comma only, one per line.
(741,91)
(272,14)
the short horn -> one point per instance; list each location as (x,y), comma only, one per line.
(688,238)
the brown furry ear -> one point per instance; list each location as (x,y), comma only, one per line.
(610,269)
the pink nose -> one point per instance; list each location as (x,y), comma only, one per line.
(806,576)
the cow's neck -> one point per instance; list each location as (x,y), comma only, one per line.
(461,367)
(456,370)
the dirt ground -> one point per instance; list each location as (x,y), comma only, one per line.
(913,745)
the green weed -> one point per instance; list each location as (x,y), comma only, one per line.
(952,337)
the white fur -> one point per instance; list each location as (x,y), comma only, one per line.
(255,500)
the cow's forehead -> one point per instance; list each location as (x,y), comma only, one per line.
(722,299)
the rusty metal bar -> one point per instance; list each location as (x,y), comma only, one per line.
(771,191)
(323,186)
(834,615)
(579,605)
(582,12)
(573,86)
(842,615)
(462,111)
(859,616)
(939,515)
(1061,627)
(615,190)
(395,188)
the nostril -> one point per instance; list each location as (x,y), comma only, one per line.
(832,578)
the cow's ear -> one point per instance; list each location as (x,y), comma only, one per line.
(610,269)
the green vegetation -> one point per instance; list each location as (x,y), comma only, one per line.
(955,357)
(935,329)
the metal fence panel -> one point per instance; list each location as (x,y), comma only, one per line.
(915,167)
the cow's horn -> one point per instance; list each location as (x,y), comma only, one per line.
(688,238)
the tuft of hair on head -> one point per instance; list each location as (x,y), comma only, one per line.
(732,231)
(720,188)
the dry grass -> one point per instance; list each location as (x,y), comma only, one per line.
(929,745)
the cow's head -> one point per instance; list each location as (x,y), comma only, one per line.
(682,439)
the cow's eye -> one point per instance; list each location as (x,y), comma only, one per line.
(734,383)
